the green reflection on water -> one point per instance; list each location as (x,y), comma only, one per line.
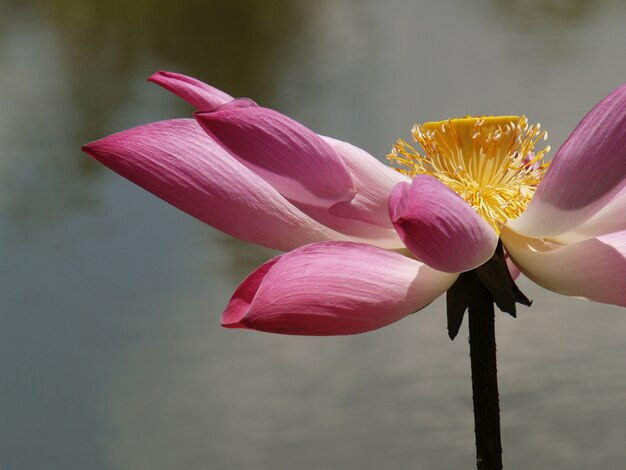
(99,54)
(238,45)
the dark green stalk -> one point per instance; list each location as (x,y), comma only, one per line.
(482,339)
(477,291)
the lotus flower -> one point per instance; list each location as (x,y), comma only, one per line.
(366,244)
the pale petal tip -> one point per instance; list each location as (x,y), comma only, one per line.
(237,103)
(162,77)
(104,150)
(235,312)
(93,149)
(239,304)
(155,77)
(232,324)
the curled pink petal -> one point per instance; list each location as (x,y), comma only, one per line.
(587,172)
(195,92)
(292,158)
(333,288)
(594,268)
(176,161)
(439,227)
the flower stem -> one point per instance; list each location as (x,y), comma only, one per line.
(482,339)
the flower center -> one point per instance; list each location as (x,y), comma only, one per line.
(487,160)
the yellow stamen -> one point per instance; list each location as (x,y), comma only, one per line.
(487,160)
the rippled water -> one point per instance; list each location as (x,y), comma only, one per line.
(111,353)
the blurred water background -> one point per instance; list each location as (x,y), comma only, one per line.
(111,353)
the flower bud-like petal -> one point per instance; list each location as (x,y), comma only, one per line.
(439,227)
(333,288)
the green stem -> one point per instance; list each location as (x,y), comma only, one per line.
(482,341)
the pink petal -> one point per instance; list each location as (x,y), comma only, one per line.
(176,161)
(195,92)
(373,181)
(594,268)
(585,174)
(333,288)
(439,227)
(292,158)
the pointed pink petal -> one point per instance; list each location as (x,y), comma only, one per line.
(585,174)
(594,268)
(195,92)
(439,227)
(375,179)
(292,158)
(176,161)
(363,218)
(333,288)
(374,182)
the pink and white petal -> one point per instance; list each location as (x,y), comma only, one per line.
(587,172)
(195,92)
(178,162)
(439,227)
(374,182)
(333,288)
(356,230)
(610,219)
(292,158)
(594,268)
